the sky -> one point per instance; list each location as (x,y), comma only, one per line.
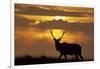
(34,22)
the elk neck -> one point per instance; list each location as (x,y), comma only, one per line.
(57,45)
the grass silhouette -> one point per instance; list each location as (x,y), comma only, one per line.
(27,60)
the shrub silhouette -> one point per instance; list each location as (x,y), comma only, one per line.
(26,60)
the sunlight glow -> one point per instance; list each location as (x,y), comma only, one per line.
(37,22)
(59,17)
(68,37)
(57,33)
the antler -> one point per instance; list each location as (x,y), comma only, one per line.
(62,35)
(52,34)
(55,37)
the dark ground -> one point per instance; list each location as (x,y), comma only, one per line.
(28,60)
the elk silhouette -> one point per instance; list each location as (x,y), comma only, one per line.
(67,48)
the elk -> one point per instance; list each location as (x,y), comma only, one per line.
(67,48)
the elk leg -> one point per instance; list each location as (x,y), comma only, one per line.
(81,57)
(65,56)
(77,57)
(60,56)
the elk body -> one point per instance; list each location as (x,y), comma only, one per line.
(67,48)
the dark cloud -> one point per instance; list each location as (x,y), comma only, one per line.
(82,27)
(22,22)
(34,10)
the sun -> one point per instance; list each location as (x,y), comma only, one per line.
(59,17)
(57,33)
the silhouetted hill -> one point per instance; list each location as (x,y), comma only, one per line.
(26,60)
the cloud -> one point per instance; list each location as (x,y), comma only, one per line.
(36,10)
(47,25)
(83,27)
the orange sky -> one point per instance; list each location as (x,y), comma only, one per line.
(34,22)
